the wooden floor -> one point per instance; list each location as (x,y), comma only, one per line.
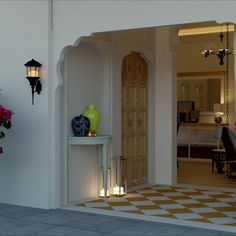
(199,173)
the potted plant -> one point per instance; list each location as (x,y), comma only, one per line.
(5,122)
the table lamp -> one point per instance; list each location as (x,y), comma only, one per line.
(219,111)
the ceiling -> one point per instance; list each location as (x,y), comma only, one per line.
(203,28)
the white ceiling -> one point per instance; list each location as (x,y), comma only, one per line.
(204,28)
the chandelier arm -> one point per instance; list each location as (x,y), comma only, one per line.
(227,75)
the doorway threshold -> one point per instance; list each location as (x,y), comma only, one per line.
(190,159)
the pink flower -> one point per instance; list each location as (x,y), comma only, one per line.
(8,114)
(5,122)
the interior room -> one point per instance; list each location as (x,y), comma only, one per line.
(203,84)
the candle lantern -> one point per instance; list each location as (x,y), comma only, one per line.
(119,166)
(101,182)
(32,74)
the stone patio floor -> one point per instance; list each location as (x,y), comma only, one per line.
(22,221)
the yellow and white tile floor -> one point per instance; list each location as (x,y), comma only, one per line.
(191,205)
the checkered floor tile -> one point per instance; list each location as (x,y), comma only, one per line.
(197,205)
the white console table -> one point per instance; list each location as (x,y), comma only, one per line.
(104,141)
(198,127)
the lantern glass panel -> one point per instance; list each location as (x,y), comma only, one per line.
(32,71)
(119,166)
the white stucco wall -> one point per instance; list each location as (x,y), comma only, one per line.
(24,167)
(32,153)
(165,112)
(86,84)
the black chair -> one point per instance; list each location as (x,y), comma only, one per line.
(218,154)
(178,124)
(228,139)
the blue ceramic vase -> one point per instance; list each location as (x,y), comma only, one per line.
(80,126)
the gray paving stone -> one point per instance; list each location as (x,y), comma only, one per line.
(26,221)
(111,226)
(91,222)
(140,228)
(9,210)
(28,229)
(57,231)
(198,232)
(80,232)
(26,213)
(169,231)
(55,217)
(220,233)
(3,219)
(15,207)
(10,225)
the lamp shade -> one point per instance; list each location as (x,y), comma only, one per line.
(219,107)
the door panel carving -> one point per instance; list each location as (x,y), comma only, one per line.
(134,103)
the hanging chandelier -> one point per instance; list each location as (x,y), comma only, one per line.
(222,52)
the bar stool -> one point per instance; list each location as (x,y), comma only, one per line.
(218,154)
(218,158)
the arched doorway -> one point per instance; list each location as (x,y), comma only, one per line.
(84,73)
(104,86)
(112,52)
(134,117)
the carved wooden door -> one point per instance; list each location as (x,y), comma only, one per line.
(134,131)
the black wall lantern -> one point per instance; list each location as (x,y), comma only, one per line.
(32,74)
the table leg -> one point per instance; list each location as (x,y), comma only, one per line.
(218,160)
(105,163)
(220,163)
(189,142)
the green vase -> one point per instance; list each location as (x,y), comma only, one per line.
(93,116)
